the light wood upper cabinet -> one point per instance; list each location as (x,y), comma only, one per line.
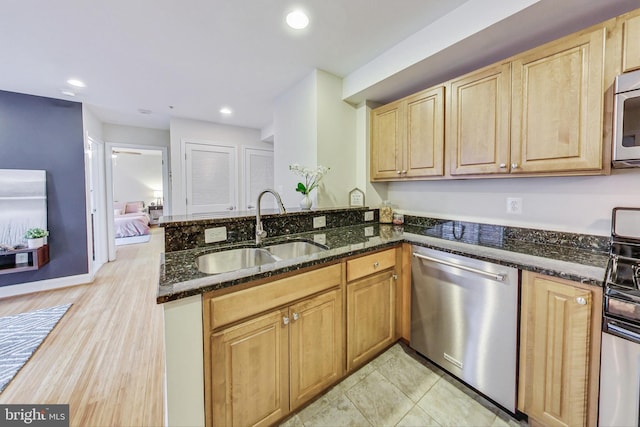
(387,140)
(557,105)
(631,42)
(559,351)
(478,121)
(407,139)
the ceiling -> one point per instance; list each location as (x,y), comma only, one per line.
(187,59)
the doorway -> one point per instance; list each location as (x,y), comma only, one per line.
(137,175)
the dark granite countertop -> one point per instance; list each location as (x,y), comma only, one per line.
(180,278)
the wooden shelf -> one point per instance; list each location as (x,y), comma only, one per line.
(35,258)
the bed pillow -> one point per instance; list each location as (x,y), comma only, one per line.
(119,206)
(133,207)
(117,212)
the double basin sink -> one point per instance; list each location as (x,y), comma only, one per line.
(239,258)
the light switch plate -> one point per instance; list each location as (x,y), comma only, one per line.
(217,234)
(368,216)
(319,221)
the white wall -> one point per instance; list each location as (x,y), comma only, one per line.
(313,126)
(135,177)
(337,146)
(206,132)
(571,204)
(135,135)
(295,137)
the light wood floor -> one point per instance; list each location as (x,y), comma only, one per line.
(105,358)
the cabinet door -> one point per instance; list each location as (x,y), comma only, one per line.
(554,351)
(370,317)
(557,106)
(316,346)
(423,155)
(250,373)
(631,43)
(478,121)
(387,139)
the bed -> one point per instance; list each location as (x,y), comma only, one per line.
(131,223)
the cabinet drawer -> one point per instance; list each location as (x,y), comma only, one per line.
(235,306)
(369,264)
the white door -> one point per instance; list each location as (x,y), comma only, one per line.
(211,178)
(258,175)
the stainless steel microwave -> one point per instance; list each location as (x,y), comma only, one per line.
(626,129)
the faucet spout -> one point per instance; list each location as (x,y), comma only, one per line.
(260,233)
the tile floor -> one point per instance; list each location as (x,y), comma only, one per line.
(400,388)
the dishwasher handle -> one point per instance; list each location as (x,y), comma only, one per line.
(495,276)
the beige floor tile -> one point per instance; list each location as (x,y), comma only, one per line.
(338,413)
(349,382)
(451,407)
(292,422)
(395,350)
(417,418)
(410,376)
(382,403)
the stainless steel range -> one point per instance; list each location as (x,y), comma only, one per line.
(620,362)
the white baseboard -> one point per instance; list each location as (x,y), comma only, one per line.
(44,285)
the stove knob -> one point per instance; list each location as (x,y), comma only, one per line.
(581,300)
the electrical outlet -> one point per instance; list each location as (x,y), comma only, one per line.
(320,238)
(319,221)
(217,234)
(368,231)
(368,216)
(514,205)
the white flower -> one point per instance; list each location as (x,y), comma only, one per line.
(312,177)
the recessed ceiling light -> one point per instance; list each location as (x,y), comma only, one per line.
(226,111)
(68,93)
(297,20)
(76,83)
(144,111)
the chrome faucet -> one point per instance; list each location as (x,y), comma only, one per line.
(260,233)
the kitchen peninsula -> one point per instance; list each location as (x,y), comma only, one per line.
(363,261)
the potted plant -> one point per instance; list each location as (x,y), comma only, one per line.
(35,237)
(312,178)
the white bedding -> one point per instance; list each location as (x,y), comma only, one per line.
(131,224)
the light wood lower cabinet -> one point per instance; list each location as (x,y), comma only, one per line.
(559,351)
(370,317)
(266,367)
(371,306)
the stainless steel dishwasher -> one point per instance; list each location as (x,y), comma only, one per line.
(464,317)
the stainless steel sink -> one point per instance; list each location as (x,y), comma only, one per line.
(294,249)
(233,259)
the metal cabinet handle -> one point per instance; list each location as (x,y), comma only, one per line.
(395,277)
(514,166)
(285,320)
(581,300)
(404,172)
(376,264)
(503,165)
(296,316)
(230,208)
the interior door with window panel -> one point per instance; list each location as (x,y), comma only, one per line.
(211,178)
